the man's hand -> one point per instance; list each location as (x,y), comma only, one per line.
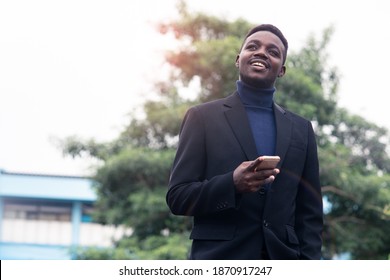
(248,178)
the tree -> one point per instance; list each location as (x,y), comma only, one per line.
(353,153)
(355,167)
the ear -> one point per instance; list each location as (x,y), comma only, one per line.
(282,71)
(237,60)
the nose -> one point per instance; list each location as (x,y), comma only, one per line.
(261,52)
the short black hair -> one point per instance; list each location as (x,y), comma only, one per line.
(270,28)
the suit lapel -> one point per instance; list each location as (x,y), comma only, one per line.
(238,120)
(283,132)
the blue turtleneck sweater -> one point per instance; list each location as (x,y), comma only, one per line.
(258,104)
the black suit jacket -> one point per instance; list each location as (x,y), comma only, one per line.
(287,221)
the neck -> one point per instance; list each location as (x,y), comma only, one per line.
(258,97)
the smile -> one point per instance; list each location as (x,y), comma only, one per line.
(259,64)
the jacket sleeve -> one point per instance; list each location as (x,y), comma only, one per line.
(190,192)
(309,210)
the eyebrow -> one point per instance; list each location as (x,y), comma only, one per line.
(272,45)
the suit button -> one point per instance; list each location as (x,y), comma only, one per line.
(262,191)
(265,223)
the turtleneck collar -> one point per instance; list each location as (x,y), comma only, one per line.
(255,97)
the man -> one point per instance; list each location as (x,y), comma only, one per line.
(240,210)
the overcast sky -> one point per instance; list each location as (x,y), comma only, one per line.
(78,67)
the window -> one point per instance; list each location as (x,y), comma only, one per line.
(87,211)
(37,210)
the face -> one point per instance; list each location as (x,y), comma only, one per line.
(260,61)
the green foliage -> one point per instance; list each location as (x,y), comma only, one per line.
(209,60)
(209,49)
(354,167)
(298,93)
(134,181)
(367,141)
(76,147)
(309,86)
(161,122)
(359,220)
(95,253)
(131,182)
(193,26)
(158,247)
(153,247)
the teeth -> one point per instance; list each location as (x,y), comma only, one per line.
(258,64)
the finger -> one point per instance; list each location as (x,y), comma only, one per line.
(267,172)
(270,179)
(252,167)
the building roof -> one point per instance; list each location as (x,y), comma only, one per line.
(41,186)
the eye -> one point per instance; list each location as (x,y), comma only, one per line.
(274,53)
(251,47)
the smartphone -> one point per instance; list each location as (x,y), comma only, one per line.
(269,162)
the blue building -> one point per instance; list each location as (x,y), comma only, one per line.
(45,216)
